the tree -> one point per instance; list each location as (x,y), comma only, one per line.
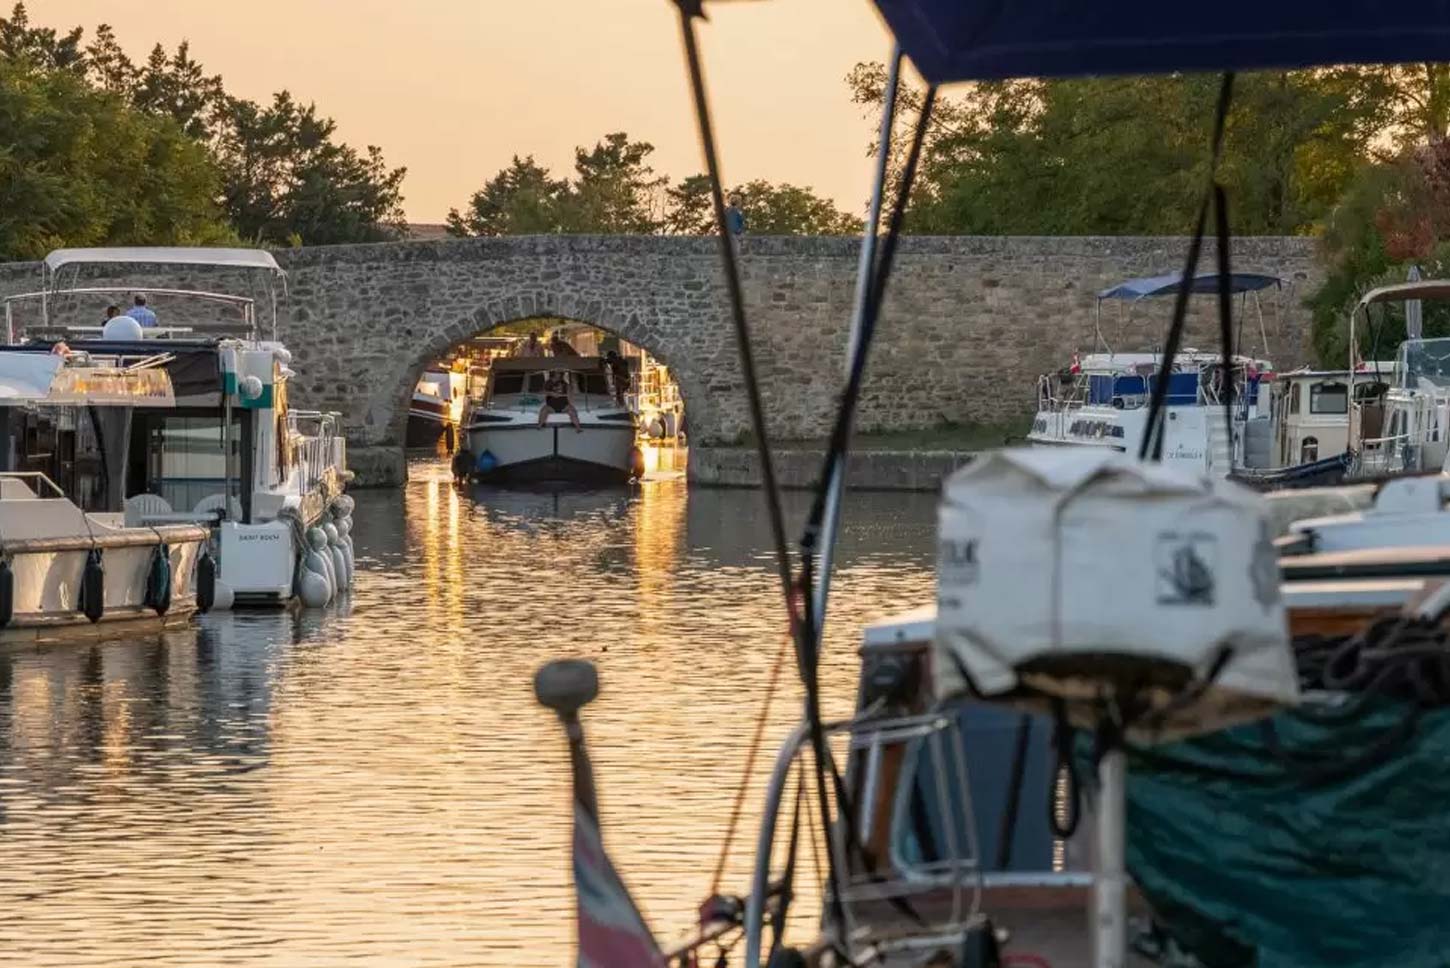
(286,180)
(522,199)
(1128,155)
(769,209)
(80,167)
(176,87)
(43,47)
(614,189)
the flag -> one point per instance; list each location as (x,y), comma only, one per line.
(612,933)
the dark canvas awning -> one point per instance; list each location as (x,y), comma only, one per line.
(1173,281)
(959,40)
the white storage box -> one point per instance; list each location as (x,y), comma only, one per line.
(1074,574)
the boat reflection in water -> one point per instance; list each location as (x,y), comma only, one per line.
(374,782)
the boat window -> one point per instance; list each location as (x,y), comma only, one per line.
(184,461)
(1309,451)
(593,383)
(508,383)
(948,805)
(1293,398)
(1329,398)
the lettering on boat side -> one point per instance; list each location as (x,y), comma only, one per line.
(260,536)
(1185,566)
(958,562)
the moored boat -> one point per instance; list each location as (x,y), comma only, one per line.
(231,454)
(524,431)
(68,570)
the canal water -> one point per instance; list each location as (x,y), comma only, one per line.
(373,784)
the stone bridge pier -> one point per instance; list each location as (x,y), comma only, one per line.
(968,324)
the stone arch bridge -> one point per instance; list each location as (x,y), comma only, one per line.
(969,321)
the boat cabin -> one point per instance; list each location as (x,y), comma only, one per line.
(1309,411)
(518,382)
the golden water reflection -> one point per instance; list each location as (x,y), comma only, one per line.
(375,785)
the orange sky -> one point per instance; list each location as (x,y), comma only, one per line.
(453,88)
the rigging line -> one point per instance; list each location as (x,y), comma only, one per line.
(841,432)
(1153,429)
(808,648)
(750,755)
(689,11)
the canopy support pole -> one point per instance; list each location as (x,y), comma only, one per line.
(835,488)
(1110,880)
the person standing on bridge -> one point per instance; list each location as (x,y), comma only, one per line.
(141,312)
(735,216)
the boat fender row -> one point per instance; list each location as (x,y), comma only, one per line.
(158,580)
(93,587)
(7,593)
(326,566)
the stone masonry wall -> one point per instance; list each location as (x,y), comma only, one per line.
(969,322)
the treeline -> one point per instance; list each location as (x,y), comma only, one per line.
(613,188)
(1356,156)
(96,149)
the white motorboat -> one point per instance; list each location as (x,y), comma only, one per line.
(68,569)
(265,479)
(436,409)
(519,433)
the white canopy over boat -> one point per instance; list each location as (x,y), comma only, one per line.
(165,255)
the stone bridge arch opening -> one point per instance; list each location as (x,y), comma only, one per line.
(446,375)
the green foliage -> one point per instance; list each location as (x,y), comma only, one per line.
(285,175)
(1127,156)
(79,167)
(522,199)
(614,190)
(276,173)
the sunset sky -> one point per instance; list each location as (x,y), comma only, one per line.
(453,88)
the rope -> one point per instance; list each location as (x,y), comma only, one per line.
(750,756)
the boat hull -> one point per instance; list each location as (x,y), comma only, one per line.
(597,453)
(47,586)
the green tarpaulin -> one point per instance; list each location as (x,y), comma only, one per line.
(1249,857)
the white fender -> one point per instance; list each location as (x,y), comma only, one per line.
(317,538)
(223,597)
(312,587)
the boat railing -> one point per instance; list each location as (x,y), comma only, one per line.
(317,444)
(30,478)
(245,305)
(932,749)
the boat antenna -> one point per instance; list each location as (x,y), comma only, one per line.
(1152,446)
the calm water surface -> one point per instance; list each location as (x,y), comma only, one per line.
(374,784)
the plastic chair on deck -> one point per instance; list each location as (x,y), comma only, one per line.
(140,506)
(216,502)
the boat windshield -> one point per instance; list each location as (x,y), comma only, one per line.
(1425,360)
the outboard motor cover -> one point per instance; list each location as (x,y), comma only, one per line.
(1065,574)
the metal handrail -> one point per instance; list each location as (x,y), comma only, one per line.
(37,475)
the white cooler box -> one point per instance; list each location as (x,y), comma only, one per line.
(1072,573)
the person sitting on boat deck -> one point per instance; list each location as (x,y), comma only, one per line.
(141,312)
(113,311)
(559,397)
(532,347)
(618,374)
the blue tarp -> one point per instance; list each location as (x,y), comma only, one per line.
(960,40)
(1170,283)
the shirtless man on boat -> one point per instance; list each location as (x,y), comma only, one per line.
(559,398)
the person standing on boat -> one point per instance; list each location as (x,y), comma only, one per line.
(618,374)
(141,312)
(559,398)
(532,347)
